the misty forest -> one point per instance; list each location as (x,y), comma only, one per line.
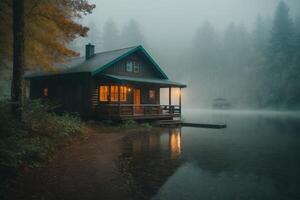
(254,67)
(144,99)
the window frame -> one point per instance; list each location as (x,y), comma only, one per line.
(123,93)
(114,93)
(106,93)
(152,94)
(129,68)
(136,65)
(45,92)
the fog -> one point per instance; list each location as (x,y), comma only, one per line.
(220,49)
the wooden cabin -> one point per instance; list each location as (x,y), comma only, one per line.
(117,85)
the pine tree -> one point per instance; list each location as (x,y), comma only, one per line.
(111,38)
(18,58)
(132,35)
(261,37)
(280,57)
(281,44)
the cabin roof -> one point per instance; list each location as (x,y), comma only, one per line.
(97,63)
(130,79)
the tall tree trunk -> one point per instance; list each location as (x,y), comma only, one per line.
(18,57)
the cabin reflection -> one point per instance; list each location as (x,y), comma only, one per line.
(149,159)
(175,142)
(159,142)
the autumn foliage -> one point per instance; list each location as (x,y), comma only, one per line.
(50,25)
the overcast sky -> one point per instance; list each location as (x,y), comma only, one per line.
(170,19)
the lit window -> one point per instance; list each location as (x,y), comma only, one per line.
(114,93)
(152,94)
(45,92)
(129,66)
(136,67)
(123,93)
(103,93)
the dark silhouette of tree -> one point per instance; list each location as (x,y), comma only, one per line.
(206,45)
(261,38)
(132,35)
(281,44)
(111,38)
(280,57)
(94,36)
(18,57)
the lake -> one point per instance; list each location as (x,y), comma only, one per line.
(256,157)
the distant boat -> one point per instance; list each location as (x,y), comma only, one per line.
(221,103)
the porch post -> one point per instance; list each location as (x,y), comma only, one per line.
(119,99)
(180,101)
(170,100)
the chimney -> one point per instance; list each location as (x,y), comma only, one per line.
(89,51)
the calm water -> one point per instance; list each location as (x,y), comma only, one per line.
(256,157)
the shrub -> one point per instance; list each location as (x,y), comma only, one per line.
(30,142)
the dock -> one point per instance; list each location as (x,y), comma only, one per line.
(177,123)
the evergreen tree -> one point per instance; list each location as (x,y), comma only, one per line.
(206,45)
(297,43)
(18,58)
(281,44)
(280,57)
(261,37)
(111,38)
(132,35)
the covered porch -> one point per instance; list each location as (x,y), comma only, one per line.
(124,98)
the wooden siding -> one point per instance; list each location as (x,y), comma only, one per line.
(96,82)
(147,70)
(71,92)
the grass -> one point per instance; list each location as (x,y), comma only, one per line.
(33,141)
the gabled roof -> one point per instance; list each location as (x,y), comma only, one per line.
(98,63)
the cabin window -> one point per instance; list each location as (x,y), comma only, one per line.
(151,94)
(114,93)
(45,92)
(129,66)
(103,93)
(136,67)
(123,93)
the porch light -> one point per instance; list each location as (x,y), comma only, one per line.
(129,89)
(178,92)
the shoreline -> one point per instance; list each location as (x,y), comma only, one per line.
(82,170)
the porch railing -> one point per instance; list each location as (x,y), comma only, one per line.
(142,109)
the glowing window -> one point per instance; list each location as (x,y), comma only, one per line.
(123,93)
(114,93)
(45,92)
(103,93)
(152,94)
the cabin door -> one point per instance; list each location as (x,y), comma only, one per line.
(137,109)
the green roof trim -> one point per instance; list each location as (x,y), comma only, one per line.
(138,48)
(161,82)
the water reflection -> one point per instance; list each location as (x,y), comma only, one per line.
(175,142)
(256,157)
(149,159)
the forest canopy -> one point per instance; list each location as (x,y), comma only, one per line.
(49,27)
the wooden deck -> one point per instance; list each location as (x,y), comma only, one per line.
(137,112)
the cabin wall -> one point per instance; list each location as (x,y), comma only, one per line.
(71,91)
(147,69)
(98,81)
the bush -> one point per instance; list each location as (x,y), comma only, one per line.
(30,142)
